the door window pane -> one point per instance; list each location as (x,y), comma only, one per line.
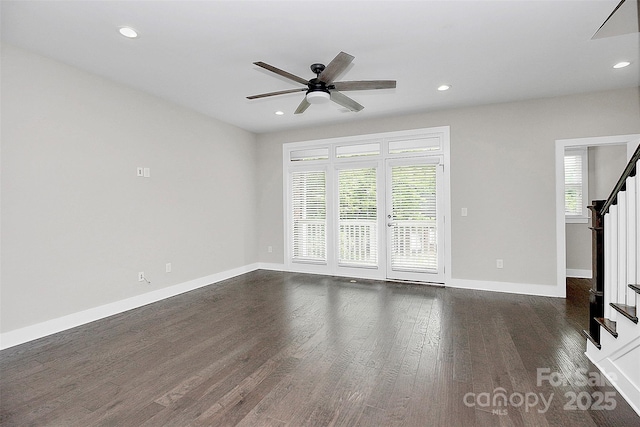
(414,145)
(414,224)
(357,222)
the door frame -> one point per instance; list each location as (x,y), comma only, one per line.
(442,133)
(632,141)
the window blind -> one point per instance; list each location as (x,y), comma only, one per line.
(414,225)
(573,183)
(309,223)
(357,222)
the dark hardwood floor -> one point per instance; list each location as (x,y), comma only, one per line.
(284,349)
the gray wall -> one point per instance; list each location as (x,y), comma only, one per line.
(606,164)
(502,170)
(77,224)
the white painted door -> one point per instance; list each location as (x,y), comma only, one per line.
(414,220)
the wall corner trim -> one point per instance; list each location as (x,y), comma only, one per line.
(49,327)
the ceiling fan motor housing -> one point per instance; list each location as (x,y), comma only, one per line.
(318,92)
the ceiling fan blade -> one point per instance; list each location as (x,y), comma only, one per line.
(281,72)
(345,101)
(280,92)
(335,67)
(365,84)
(303,106)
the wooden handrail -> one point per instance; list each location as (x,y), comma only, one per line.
(630,170)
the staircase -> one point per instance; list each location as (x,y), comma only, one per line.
(613,343)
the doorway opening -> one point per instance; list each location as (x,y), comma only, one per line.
(565,231)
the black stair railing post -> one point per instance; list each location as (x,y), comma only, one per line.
(596,293)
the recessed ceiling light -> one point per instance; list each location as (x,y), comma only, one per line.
(279,113)
(444,87)
(128,32)
(622,64)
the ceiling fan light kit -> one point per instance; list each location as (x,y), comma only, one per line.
(318,97)
(322,88)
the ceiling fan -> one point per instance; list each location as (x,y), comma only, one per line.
(323,88)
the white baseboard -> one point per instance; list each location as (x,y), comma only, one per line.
(271,266)
(579,273)
(39,330)
(508,287)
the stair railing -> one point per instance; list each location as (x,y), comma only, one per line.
(602,253)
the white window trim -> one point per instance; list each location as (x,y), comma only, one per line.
(583,218)
(334,163)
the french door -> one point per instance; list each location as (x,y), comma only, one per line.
(371,206)
(414,223)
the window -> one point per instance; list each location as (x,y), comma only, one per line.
(312,154)
(309,216)
(414,145)
(359,150)
(358,217)
(575,185)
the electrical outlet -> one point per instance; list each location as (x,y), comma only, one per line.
(140,276)
(270,249)
(499,263)
(463,212)
(168,267)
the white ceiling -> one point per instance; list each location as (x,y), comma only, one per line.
(200,54)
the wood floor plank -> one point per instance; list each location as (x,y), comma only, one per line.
(289,349)
(343,349)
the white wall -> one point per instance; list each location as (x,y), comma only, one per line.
(77,224)
(606,164)
(502,171)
